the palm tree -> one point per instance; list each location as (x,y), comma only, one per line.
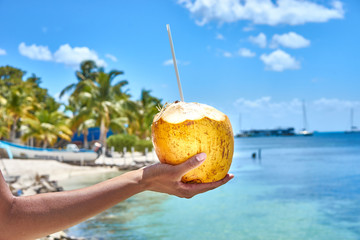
(26,106)
(18,106)
(13,100)
(46,127)
(107,101)
(41,97)
(93,100)
(10,76)
(142,118)
(83,118)
(84,128)
(4,123)
(4,120)
(96,97)
(88,71)
(20,99)
(79,100)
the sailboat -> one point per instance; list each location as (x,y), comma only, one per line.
(353,128)
(304,131)
(241,133)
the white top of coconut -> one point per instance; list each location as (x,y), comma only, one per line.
(178,112)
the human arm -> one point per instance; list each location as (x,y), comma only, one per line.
(39,215)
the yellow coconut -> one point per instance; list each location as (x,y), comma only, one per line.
(181,130)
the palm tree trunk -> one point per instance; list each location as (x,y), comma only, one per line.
(103,132)
(13,130)
(86,144)
(45,143)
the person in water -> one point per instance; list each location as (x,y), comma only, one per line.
(39,215)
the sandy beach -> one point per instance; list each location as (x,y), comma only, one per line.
(59,171)
(56,170)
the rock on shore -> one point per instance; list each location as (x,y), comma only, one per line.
(60,236)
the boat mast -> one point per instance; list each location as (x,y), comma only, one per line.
(240,123)
(304,116)
(352,119)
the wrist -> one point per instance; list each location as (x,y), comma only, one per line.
(143,182)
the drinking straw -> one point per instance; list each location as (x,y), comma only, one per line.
(174,60)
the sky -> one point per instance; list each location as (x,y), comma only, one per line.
(254,60)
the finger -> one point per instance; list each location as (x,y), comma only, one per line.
(191,163)
(204,187)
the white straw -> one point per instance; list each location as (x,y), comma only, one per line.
(175,65)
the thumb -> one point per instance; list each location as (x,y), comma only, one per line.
(191,163)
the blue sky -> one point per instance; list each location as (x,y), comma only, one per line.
(256,58)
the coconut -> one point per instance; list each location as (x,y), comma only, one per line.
(181,130)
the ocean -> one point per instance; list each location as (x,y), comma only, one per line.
(301,188)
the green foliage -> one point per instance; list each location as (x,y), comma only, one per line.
(119,141)
(142,144)
(96,99)
(46,127)
(99,96)
(21,100)
(141,114)
(4,121)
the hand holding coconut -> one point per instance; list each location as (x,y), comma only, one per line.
(166,178)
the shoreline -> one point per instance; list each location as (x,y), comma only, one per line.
(55,169)
(29,168)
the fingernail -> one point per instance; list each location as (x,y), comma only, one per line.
(201,157)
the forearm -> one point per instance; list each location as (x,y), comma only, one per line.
(39,215)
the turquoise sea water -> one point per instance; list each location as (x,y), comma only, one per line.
(303,188)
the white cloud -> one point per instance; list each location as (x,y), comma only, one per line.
(322,114)
(248,28)
(269,107)
(227,54)
(2,52)
(266,113)
(279,61)
(74,56)
(334,104)
(112,57)
(35,52)
(290,40)
(266,103)
(169,62)
(65,54)
(220,36)
(259,40)
(244,52)
(291,12)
